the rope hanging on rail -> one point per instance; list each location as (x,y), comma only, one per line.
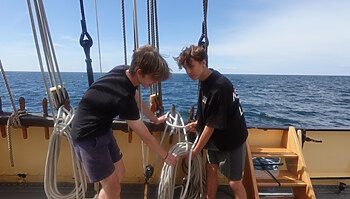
(14,120)
(86,42)
(65,115)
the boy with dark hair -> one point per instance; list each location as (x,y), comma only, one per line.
(113,95)
(220,122)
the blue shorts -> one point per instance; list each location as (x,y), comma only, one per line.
(231,163)
(98,155)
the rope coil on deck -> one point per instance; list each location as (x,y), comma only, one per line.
(194,187)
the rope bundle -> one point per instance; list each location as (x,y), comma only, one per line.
(14,121)
(62,128)
(195,187)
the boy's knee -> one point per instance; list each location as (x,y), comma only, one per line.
(122,174)
(235,184)
(212,168)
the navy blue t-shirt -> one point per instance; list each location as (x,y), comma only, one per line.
(110,96)
(219,108)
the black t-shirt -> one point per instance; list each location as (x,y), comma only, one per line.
(110,96)
(219,108)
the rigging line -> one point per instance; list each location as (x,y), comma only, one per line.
(98,40)
(39,20)
(86,44)
(14,118)
(124,32)
(159,93)
(136,45)
(156,24)
(149,36)
(205,6)
(7,87)
(39,56)
(60,92)
(39,8)
(152,24)
(148,23)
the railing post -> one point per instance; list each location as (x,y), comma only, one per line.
(22,106)
(45,114)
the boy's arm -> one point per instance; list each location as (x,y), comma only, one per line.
(141,130)
(148,112)
(203,139)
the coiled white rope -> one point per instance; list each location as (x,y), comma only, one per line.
(195,175)
(194,188)
(62,128)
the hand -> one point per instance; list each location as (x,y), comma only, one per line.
(186,155)
(160,119)
(191,127)
(170,159)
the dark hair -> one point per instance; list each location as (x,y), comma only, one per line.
(148,59)
(196,52)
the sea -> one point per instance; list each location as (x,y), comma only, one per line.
(302,101)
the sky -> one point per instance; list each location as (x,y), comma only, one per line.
(291,37)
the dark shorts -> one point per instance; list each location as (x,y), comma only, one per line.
(98,155)
(231,163)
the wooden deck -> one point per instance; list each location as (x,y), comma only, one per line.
(135,191)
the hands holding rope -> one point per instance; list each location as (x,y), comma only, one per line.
(191,127)
(170,159)
(160,120)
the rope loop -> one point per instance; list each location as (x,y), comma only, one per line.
(15,121)
(63,120)
(15,118)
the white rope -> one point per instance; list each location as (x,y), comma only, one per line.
(39,55)
(98,39)
(64,117)
(62,128)
(195,175)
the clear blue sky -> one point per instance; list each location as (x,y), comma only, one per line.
(246,37)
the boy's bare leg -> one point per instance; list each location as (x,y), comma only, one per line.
(238,189)
(111,185)
(212,180)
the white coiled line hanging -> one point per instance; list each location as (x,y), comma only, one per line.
(196,172)
(62,122)
(62,128)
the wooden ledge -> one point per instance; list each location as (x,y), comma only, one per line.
(38,120)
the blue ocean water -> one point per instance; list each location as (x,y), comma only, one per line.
(267,100)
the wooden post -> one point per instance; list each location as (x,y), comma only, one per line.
(191,113)
(2,127)
(44,105)
(22,108)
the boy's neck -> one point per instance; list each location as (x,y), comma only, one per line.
(133,79)
(206,73)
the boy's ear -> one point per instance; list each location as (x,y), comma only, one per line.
(204,61)
(139,71)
